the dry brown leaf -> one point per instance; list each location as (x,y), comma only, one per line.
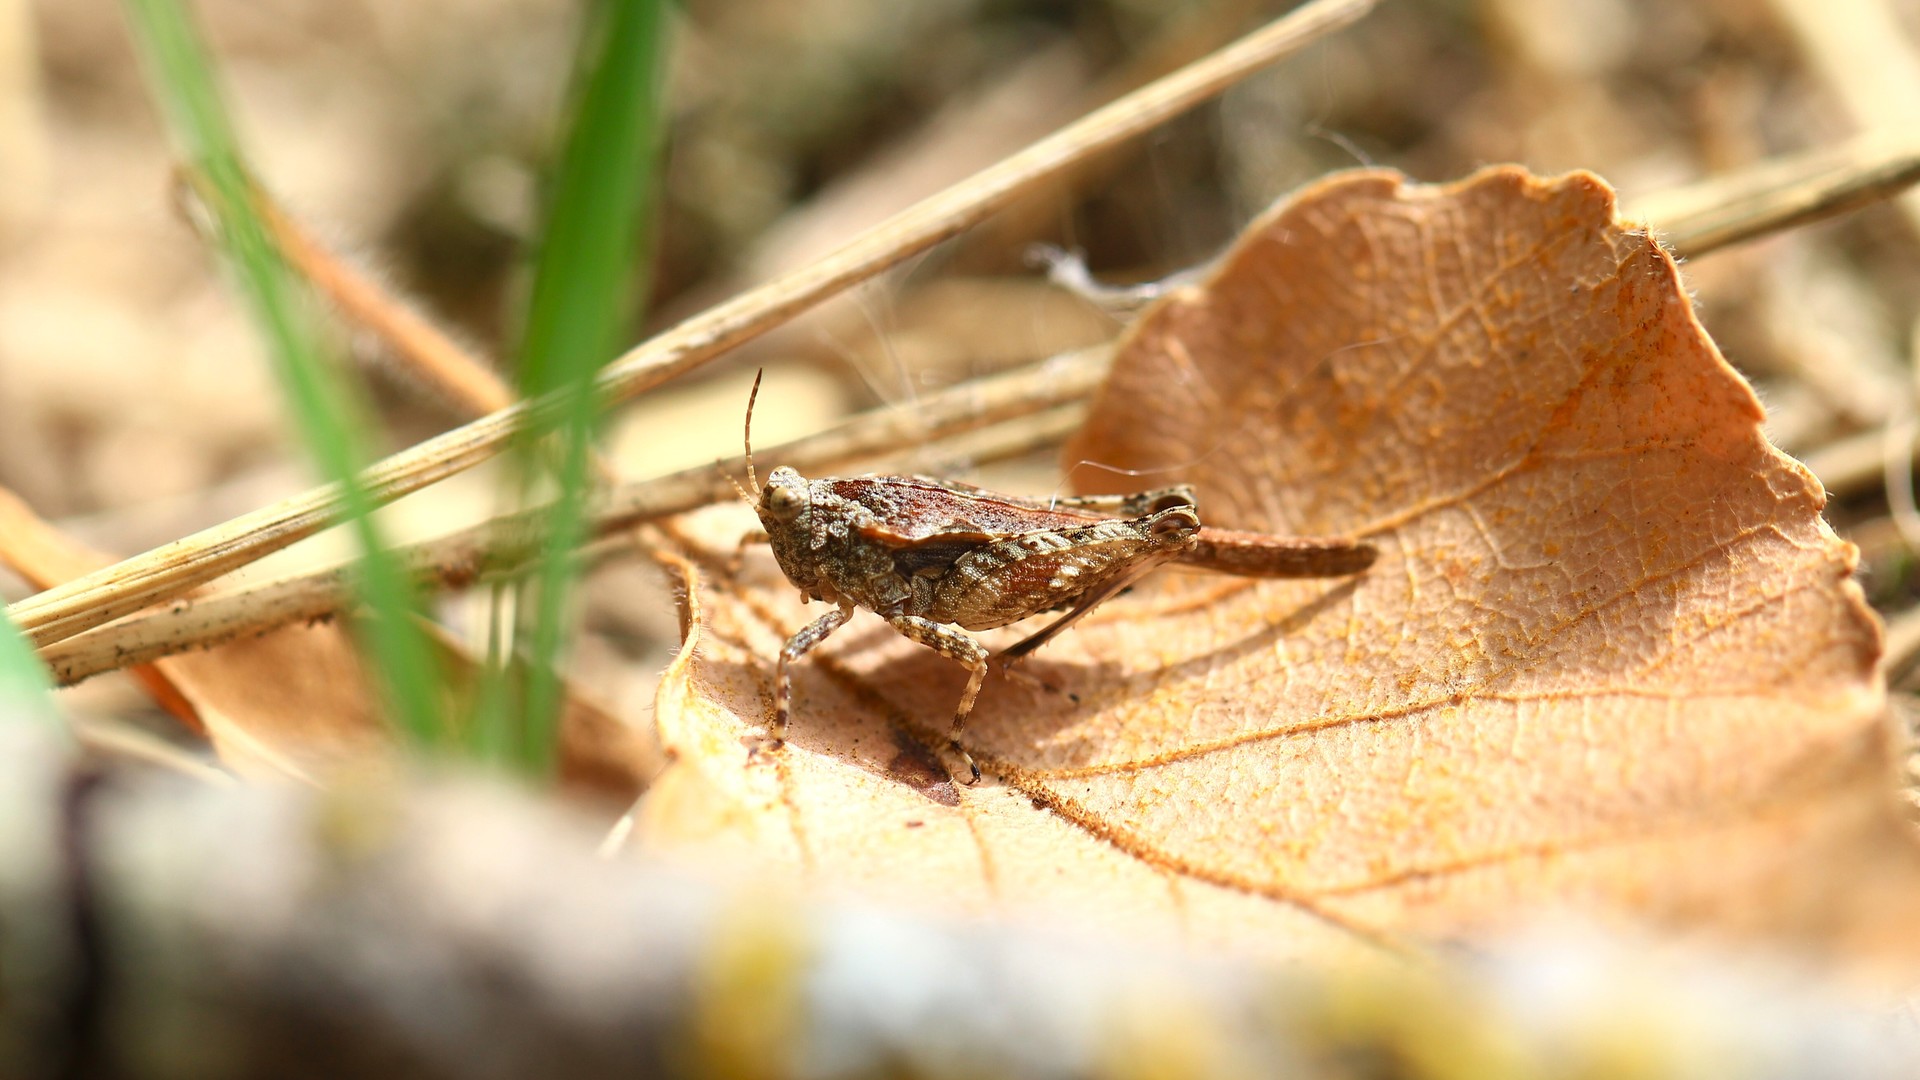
(296,702)
(1610,661)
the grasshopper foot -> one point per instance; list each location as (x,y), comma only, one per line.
(973,767)
(762,747)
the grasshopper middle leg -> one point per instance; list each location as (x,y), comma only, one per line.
(955,645)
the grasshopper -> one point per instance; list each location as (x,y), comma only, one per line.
(937,559)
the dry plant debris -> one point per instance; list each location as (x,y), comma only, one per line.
(1611,659)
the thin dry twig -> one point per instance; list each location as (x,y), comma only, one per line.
(426,352)
(1867,60)
(500,545)
(1700,218)
(175,568)
(1863,55)
(1781,194)
(430,354)
(1773,196)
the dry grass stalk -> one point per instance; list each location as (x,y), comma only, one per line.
(1010,401)
(1782,194)
(428,352)
(1701,218)
(1862,54)
(175,568)
(1696,220)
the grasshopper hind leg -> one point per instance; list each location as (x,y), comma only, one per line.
(955,645)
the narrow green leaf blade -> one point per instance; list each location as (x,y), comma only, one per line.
(329,416)
(24,689)
(586,273)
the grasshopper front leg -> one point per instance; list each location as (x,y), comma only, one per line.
(750,539)
(955,645)
(809,635)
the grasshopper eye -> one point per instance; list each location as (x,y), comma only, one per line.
(1174,524)
(1181,496)
(783,501)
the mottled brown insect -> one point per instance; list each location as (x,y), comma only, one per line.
(937,559)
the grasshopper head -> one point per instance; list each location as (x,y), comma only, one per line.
(1174,526)
(783,514)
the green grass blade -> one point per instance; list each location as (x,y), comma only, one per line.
(330,418)
(586,274)
(23,681)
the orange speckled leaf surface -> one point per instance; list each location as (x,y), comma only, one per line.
(1609,662)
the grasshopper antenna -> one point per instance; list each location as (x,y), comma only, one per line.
(753,481)
(747,436)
